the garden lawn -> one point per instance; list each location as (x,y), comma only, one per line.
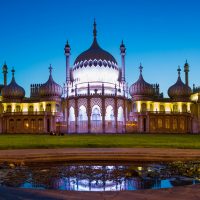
(26,141)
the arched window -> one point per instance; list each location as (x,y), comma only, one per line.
(120,115)
(18,124)
(175,125)
(167,123)
(57,108)
(184,108)
(11,125)
(40,124)
(160,123)
(48,107)
(175,108)
(26,124)
(18,108)
(182,124)
(41,108)
(71,114)
(82,114)
(9,108)
(151,107)
(30,108)
(143,107)
(33,125)
(96,114)
(152,124)
(134,107)
(109,113)
(162,108)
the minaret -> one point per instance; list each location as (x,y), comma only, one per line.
(186,70)
(123,53)
(5,71)
(67,54)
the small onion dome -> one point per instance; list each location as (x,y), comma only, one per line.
(141,90)
(50,90)
(13,92)
(179,91)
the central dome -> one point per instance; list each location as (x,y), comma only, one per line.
(95,52)
(95,65)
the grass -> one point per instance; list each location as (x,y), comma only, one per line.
(27,141)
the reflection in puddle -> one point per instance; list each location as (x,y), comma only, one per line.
(100,177)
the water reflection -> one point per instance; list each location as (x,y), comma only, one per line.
(100,177)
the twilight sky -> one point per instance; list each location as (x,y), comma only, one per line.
(161,34)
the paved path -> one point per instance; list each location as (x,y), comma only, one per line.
(179,193)
(100,154)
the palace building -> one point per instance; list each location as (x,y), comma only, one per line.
(96,99)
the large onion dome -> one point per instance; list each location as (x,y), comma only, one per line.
(50,90)
(141,90)
(13,92)
(95,64)
(179,91)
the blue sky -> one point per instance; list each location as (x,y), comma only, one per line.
(161,34)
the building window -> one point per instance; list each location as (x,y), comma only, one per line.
(96,114)
(174,124)
(162,108)
(18,109)
(175,108)
(182,124)
(11,125)
(184,108)
(26,124)
(57,108)
(33,124)
(143,107)
(167,123)
(30,108)
(48,107)
(41,108)
(40,124)
(151,107)
(152,124)
(18,124)
(160,123)
(9,108)
(134,107)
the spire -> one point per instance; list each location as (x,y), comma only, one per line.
(13,73)
(186,70)
(5,71)
(179,71)
(140,68)
(94,29)
(50,69)
(122,48)
(67,49)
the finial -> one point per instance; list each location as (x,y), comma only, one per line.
(50,69)
(186,62)
(13,72)
(140,67)
(94,29)
(67,44)
(179,71)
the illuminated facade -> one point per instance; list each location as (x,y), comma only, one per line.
(95,99)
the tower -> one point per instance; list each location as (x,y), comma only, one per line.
(67,54)
(123,53)
(186,70)
(5,71)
